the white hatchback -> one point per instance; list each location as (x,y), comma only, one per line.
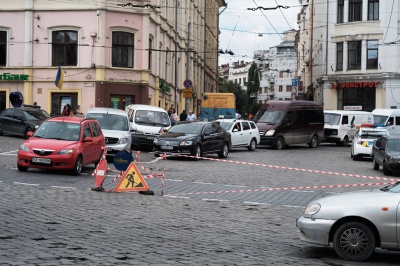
(244,133)
(364,139)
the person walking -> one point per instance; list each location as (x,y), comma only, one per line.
(174,115)
(191,116)
(183,116)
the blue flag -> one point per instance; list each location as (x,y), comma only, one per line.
(59,78)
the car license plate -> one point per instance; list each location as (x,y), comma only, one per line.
(167,147)
(41,160)
(371,143)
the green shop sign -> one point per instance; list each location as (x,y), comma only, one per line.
(8,76)
(164,86)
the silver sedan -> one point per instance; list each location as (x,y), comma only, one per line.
(354,222)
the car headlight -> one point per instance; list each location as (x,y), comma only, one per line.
(269,133)
(137,132)
(123,140)
(64,152)
(186,143)
(312,209)
(24,148)
(155,141)
(334,132)
(393,160)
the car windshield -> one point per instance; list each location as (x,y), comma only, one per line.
(393,145)
(189,128)
(152,118)
(58,130)
(333,119)
(380,119)
(111,121)
(394,188)
(40,115)
(226,125)
(271,117)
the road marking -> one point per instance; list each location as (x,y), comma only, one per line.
(202,183)
(64,187)
(174,180)
(255,203)
(178,197)
(293,206)
(214,200)
(19,183)
(10,153)
(234,186)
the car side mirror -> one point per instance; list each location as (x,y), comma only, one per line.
(29,134)
(88,139)
(207,133)
(235,130)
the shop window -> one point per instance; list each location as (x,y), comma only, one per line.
(372,54)
(373,9)
(64,48)
(122,49)
(3,48)
(340,11)
(59,100)
(355,10)
(354,55)
(120,101)
(339,56)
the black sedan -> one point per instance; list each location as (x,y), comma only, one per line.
(19,121)
(386,152)
(194,138)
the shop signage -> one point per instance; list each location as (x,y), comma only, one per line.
(8,76)
(359,84)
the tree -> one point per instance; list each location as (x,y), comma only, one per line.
(253,86)
(240,94)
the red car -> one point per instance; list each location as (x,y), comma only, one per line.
(63,143)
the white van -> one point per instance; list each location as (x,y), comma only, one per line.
(389,118)
(115,126)
(341,126)
(147,123)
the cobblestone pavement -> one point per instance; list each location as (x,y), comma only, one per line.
(55,219)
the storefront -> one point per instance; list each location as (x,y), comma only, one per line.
(356,95)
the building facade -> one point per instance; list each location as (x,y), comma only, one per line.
(112,54)
(349,57)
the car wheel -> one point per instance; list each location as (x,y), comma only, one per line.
(313,142)
(354,241)
(1,131)
(351,153)
(375,164)
(252,145)
(386,170)
(22,168)
(344,142)
(279,144)
(26,132)
(224,152)
(78,166)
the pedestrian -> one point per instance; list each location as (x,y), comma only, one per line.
(183,116)
(174,115)
(65,111)
(78,110)
(169,112)
(250,116)
(191,116)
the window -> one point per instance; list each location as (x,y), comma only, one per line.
(96,129)
(87,132)
(340,11)
(280,88)
(339,56)
(373,9)
(3,48)
(355,10)
(122,49)
(288,88)
(244,81)
(280,74)
(65,48)
(150,52)
(245,126)
(372,54)
(354,55)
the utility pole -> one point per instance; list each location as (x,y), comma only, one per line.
(176,52)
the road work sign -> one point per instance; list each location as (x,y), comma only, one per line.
(132,180)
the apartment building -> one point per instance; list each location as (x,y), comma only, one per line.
(348,53)
(112,53)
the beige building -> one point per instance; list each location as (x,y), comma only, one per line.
(112,53)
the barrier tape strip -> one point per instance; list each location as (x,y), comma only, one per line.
(288,168)
(277,189)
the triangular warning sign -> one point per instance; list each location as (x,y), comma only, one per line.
(132,180)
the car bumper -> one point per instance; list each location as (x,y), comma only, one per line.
(184,150)
(143,140)
(57,161)
(269,141)
(114,149)
(314,231)
(360,150)
(332,139)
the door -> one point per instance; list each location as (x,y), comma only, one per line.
(207,139)
(287,128)
(98,140)
(120,101)
(246,133)
(301,127)
(88,149)
(237,136)
(18,122)
(6,120)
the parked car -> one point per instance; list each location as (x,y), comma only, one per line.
(386,152)
(354,222)
(19,121)
(244,133)
(62,143)
(363,141)
(115,126)
(194,138)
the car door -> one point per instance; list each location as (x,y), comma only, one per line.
(6,120)
(98,140)
(207,139)
(288,128)
(88,149)
(18,122)
(237,136)
(378,152)
(246,133)
(218,134)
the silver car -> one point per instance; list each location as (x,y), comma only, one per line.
(354,222)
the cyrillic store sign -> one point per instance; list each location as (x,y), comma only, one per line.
(8,76)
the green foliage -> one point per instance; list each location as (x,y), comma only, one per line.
(240,94)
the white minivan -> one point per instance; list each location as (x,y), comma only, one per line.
(115,126)
(389,118)
(147,123)
(341,125)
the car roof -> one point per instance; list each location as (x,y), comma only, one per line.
(144,107)
(233,120)
(105,110)
(24,108)
(69,119)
